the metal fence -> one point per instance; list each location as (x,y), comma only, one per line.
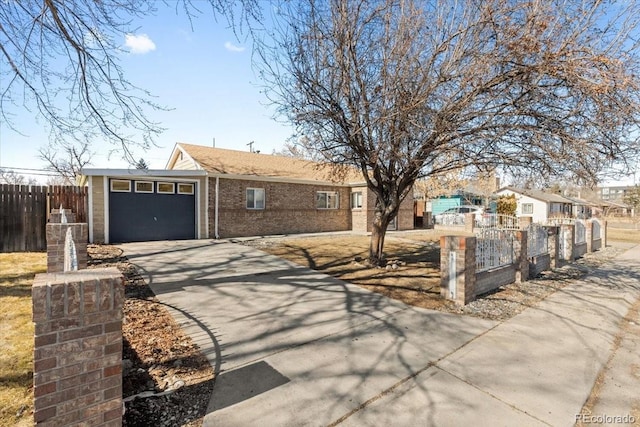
(451,220)
(499,221)
(581,232)
(537,240)
(555,221)
(494,248)
(596,231)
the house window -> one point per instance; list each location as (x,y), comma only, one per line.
(144,187)
(255,198)
(327,200)
(120,186)
(527,208)
(166,188)
(185,188)
(356,200)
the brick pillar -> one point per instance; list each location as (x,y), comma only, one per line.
(458,268)
(525,221)
(56,216)
(469,222)
(56,234)
(521,257)
(603,233)
(589,234)
(554,245)
(77,356)
(568,233)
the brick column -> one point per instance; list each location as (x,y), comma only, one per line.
(56,216)
(521,257)
(56,234)
(554,245)
(469,222)
(568,233)
(77,355)
(458,268)
(603,233)
(589,235)
(525,221)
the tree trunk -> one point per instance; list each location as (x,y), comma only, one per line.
(380,223)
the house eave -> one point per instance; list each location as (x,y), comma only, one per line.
(140,173)
(281,179)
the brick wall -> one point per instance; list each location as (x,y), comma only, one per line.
(459,280)
(78,348)
(359,216)
(405,213)
(538,264)
(289,208)
(488,281)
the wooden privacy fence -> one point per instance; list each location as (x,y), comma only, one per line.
(24,212)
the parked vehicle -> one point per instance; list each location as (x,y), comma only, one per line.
(455,215)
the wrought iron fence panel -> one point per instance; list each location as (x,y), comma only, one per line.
(499,221)
(494,248)
(537,240)
(451,220)
(597,229)
(581,232)
(555,221)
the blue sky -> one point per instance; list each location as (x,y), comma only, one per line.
(204,74)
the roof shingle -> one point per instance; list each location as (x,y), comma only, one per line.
(233,162)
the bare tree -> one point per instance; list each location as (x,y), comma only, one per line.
(60,59)
(66,160)
(405,89)
(11,177)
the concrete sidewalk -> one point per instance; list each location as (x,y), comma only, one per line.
(295,347)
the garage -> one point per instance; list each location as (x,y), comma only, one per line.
(144,210)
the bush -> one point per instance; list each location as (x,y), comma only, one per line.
(507,205)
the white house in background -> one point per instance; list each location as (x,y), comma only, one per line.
(538,205)
(582,208)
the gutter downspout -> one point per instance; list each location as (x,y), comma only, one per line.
(217,236)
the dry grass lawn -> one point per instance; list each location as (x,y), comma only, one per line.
(16,329)
(415,281)
(623,235)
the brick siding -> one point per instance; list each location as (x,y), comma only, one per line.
(78,348)
(289,208)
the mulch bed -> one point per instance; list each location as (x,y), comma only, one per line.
(158,358)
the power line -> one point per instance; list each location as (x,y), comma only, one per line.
(24,169)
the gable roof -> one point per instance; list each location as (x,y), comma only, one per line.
(539,195)
(220,161)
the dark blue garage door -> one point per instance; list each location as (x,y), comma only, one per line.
(151,210)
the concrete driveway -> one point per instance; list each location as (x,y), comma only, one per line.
(293,347)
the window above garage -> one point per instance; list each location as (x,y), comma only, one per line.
(121,185)
(185,188)
(144,187)
(166,188)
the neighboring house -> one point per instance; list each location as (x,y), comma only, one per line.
(443,203)
(582,208)
(614,208)
(209,192)
(538,205)
(614,193)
